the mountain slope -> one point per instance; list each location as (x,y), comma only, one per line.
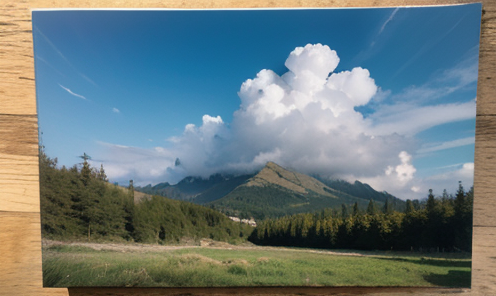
(275,192)
(364,191)
(272,192)
(220,189)
(191,187)
(300,183)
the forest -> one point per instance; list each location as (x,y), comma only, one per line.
(441,223)
(79,203)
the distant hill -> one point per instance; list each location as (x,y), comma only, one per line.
(365,191)
(272,192)
(276,191)
(220,189)
(197,189)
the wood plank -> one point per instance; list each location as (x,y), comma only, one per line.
(485,172)
(17,90)
(20,246)
(19,186)
(293,291)
(20,249)
(484,260)
(487,61)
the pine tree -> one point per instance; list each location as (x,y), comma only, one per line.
(355,209)
(344,211)
(409,207)
(463,218)
(371,208)
(101,174)
(388,207)
(460,203)
(131,189)
(86,169)
(431,203)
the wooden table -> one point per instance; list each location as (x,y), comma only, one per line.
(20,239)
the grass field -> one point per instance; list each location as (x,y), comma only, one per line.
(78,265)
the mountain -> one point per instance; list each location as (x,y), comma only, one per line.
(197,189)
(276,191)
(364,191)
(272,192)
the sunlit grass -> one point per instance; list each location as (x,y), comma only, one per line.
(201,267)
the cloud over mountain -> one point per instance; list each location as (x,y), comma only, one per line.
(306,120)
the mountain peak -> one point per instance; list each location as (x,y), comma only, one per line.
(274,174)
(271,164)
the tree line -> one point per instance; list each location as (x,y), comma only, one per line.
(79,203)
(442,223)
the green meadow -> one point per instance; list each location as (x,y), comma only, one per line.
(70,266)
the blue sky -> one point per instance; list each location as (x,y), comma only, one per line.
(124,86)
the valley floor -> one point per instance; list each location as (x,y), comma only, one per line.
(211,263)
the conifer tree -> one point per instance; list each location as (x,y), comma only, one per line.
(101,174)
(371,208)
(409,207)
(463,217)
(388,207)
(344,211)
(131,189)
(355,209)
(460,203)
(85,170)
(431,203)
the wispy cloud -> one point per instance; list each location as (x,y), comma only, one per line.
(448,145)
(410,119)
(73,93)
(115,110)
(376,42)
(425,48)
(388,20)
(461,76)
(63,56)
(39,58)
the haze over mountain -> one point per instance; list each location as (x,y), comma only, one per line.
(273,191)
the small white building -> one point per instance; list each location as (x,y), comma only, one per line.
(250,222)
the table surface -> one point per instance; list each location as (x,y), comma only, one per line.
(20,234)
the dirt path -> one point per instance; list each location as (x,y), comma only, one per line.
(118,247)
(211,244)
(142,248)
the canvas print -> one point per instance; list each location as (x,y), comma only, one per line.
(257,147)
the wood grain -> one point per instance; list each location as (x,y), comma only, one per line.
(17,95)
(20,247)
(18,163)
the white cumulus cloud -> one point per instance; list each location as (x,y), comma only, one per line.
(304,119)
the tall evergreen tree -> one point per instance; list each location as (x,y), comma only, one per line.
(416,204)
(355,209)
(460,204)
(101,174)
(463,217)
(371,208)
(409,207)
(344,211)
(85,170)
(131,189)
(388,207)
(431,203)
